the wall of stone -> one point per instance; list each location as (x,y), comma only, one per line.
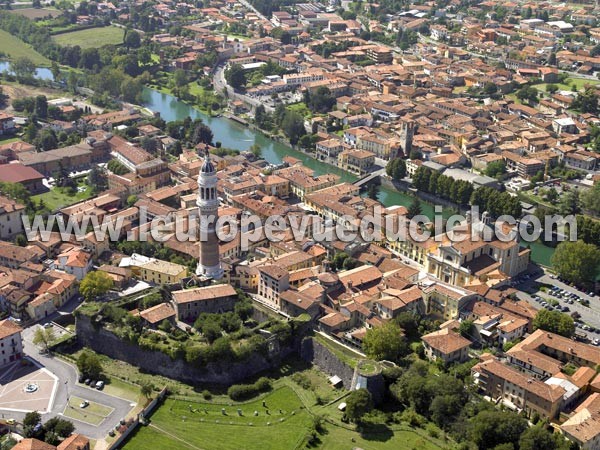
(317,354)
(105,342)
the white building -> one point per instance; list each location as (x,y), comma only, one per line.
(11,344)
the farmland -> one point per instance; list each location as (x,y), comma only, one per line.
(16,48)
(91,37)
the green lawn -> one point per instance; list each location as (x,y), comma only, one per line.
(177,424)
(58,198)
(16,48)
(92,37)
(94,413)
(579,83)
(337,438)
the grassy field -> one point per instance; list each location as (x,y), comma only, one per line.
(92,37)
(16,48)
(59,198)
(186,424)
(36,13)
(569,85)
(94,413)
(183,424)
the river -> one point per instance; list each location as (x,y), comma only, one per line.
(236,136)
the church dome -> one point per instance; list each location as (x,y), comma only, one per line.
(207,167)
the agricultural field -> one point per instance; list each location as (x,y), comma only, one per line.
(91,37)
(16,48)
(36,13)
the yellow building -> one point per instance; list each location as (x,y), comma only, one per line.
(359,162)
(161,272)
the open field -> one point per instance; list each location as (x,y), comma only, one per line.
(92,37)
(184,424)
(16,48)
(568,85)
(36,13)
(94,413)
(282,424)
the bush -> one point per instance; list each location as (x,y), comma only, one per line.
(239,392)
(206,395)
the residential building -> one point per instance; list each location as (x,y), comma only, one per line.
(446,345)
(215,299)
(11,344)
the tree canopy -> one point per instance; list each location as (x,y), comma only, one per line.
(554,322)
(576,261)
(385,342)
(95,284)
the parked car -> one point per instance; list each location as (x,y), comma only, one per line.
(565,309)
(47,325)
(87,381)
(100,385)
(84,404)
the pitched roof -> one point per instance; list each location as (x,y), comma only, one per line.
(204,293)
(8,328)
(446,341)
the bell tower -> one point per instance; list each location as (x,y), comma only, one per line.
(209,263)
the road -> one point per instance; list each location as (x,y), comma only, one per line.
(220,84)
(68,386)
(589,315)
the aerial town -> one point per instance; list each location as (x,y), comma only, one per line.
(269,224)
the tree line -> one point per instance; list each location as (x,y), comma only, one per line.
(464,193)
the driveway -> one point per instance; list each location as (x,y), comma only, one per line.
(68,386)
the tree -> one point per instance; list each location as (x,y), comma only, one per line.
(146,389)
(414,209)
(538,438)
(590,199)
(293,126)
(569,202)
(132,39)
(373,191)
(321,101)
(41,106)
(235,76)
(552,59)
(495,169)
(587,101)
(576,261)
(89,365)
(24,69)
(396,169)
(409,322)
(44,336)
(358,403)
(95,284)
(466,329)
(97,179)
(528,94)
(31,425)
(551,88)
(132,200)
(201,134)
(491,428)
(180,78)
(554,322)
(385,342)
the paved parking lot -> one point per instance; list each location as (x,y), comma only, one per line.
(589,320)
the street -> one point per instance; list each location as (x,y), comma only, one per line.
(68,386)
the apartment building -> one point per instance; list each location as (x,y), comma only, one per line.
(216,299)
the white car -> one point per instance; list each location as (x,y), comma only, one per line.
(84,404)
(596,342)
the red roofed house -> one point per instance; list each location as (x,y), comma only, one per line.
(27,176)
